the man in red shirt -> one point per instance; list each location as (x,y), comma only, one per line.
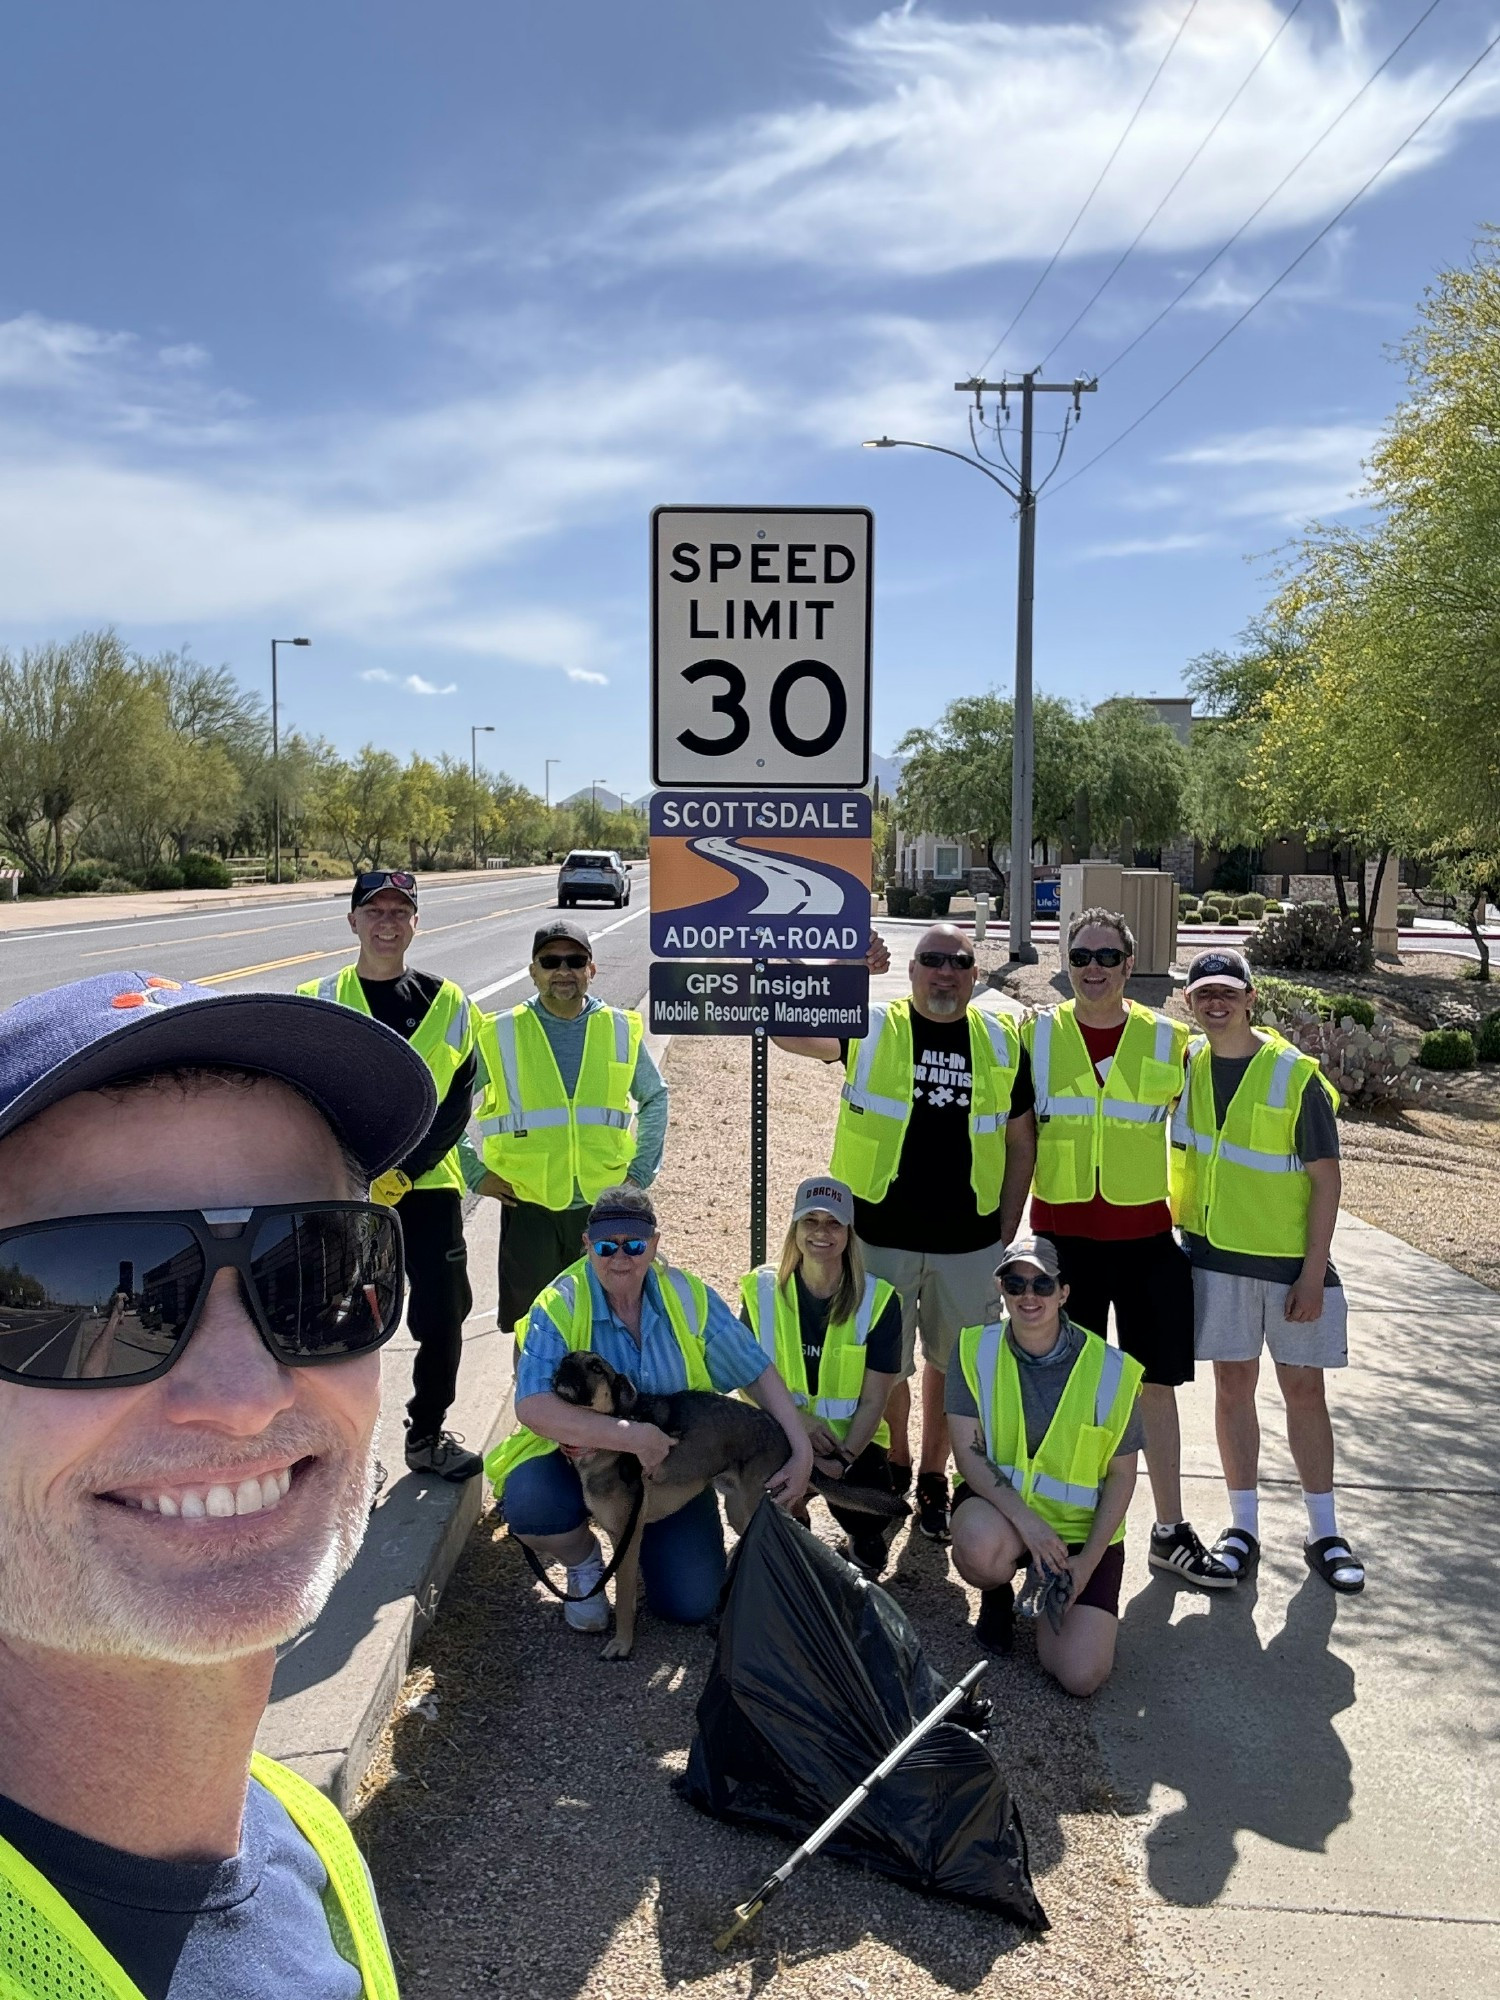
(1107,1072)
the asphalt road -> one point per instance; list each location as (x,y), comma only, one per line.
(475,933)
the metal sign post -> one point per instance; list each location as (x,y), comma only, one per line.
(760,1124)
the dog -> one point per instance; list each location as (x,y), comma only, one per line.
(719,1441)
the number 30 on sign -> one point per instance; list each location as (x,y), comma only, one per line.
(761,646)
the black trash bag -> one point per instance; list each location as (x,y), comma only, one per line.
(817,1676)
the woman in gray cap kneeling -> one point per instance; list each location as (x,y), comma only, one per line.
(833,1333)
(1045,1433)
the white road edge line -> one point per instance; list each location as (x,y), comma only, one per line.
(511,978)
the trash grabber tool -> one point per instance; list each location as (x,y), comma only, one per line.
(831,1825)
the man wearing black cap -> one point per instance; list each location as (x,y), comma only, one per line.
(558,1075)
(427,1187)
(193,1293)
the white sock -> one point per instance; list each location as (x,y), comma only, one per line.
(1244,1511)
(1167,1527)
(1321,1519)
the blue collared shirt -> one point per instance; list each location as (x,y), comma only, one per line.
(655,1365)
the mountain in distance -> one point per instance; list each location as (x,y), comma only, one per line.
(609,802)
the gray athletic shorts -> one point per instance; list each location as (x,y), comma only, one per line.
(940,1296)
(1233,1318)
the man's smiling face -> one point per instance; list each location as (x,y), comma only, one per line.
(208,1513)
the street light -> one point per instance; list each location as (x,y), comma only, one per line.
(476,730)
(276,750)
(594,805)
(547,782)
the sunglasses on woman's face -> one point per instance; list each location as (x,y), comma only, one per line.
(961,961)
(632,1246)
(94,1301)
(573,962)
(1015,1287)
(1106,954)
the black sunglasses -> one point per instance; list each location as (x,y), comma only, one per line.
(572,961)
(91,1301)
(388,878)
(1015,1287)
(961,961)
(633,1246)
(1107,954)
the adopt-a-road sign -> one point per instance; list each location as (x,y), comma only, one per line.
(724,998)
(760,646)
(756,875)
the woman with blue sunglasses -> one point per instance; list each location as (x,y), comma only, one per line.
(666,1330)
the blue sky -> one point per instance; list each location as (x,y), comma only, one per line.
(390,326)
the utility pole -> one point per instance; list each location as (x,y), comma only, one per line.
(276,754)
(1023,749)
(476,730)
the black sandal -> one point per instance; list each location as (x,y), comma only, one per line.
(1239,1551)
(1332,1559)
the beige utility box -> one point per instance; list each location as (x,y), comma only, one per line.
(1145,897)
(1148,896)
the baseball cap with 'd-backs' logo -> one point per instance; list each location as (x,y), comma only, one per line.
(824,1196)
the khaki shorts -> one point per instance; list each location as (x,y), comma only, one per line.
(940,1296)
(1233,1318)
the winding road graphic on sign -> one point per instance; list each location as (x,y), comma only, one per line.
(792,903)
(789,887)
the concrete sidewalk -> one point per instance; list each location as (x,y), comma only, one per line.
(1315,1777)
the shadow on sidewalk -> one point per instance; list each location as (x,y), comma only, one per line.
(1243,1733)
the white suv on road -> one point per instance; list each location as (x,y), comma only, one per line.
(593,875)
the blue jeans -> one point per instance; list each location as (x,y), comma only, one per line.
(682,1557)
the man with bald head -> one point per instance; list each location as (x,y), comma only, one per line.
(937,1139)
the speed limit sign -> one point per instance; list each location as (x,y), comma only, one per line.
(761,646)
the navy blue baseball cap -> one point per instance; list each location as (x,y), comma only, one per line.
(373,1089)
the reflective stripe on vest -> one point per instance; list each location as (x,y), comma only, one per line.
(443,1038)
(569,1303)
(1111,1140)
(775,1320)
(47,1952)
(1246,1197)
(875,1104)
(554,1151)
(1065,1479)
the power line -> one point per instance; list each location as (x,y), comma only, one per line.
(1192,159)
(1068,236)
(1172,305)
(1301,255)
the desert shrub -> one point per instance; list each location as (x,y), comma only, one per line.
(205,871)
(1346,1007)
(80,881)
(1406,915)
(897,900)
(1487,1041)
(1447,1048)
(1252,906)
(1272,904)
(1368,1064)
(920,905)
(1276,997)
(162,875)
(116,885)
(1187,906)
(1310,937)
(940,900)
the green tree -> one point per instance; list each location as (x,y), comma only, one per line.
(424,810)
(357,805)
(956,777)
(1136,772)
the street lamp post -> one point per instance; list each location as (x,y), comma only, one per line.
(594,807)
(276,751)
(547,782)
(476,730)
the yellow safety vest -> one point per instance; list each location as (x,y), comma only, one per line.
(568,1303)
(1108,1139)
(552,1149)
(1065,1479)
(47,1952)
(1243,1186)
(876,1106)
(444,1039)
(775,1321)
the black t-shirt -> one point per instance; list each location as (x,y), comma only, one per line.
(930,1205)
(882,1348)
(402,1004)
(251,1928)
(1317,1139)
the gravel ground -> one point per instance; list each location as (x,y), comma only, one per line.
(1430,1174)
(519,1820)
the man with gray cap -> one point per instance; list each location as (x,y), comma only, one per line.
(558,1076)
(193,1292)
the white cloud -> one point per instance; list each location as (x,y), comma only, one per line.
(1320,468)
(908,171)
(413,683)
(1148,545)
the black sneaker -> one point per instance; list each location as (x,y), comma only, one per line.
(443,1455)
(900,1479)
(932,1505)
(1180,1552)
(995,1627)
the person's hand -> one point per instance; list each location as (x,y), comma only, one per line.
(389,1187)
(878,954)
(787,1487)
(1304,1300)
(819,1436)
(1043,1544)
(497,1190)
(649,1445)
(1082,1567)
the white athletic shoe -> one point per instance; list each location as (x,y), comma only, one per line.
(593,1614)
